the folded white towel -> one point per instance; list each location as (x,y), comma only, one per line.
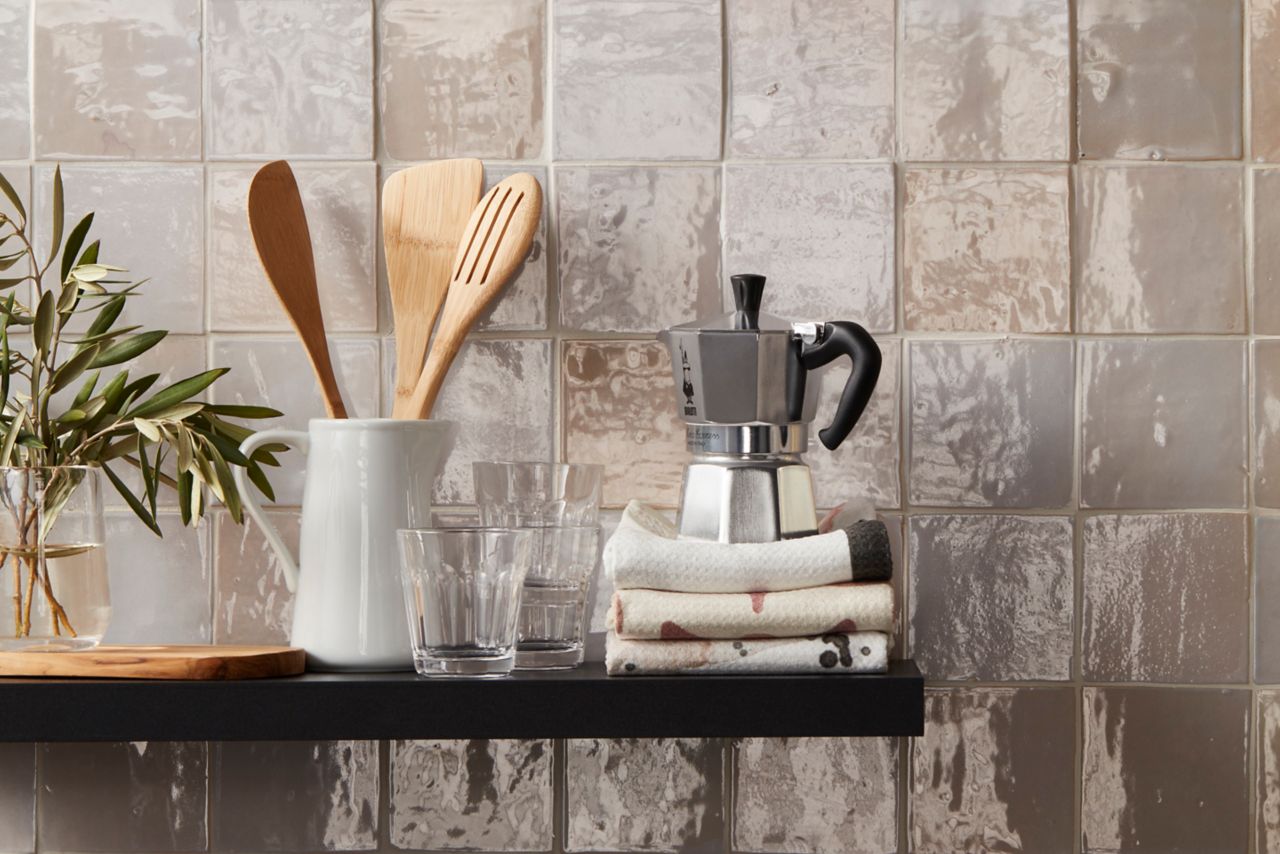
(662,615)
(863,652)
(644,552)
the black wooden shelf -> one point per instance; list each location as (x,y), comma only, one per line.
(581,703)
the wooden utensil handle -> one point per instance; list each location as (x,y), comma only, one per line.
(439,360)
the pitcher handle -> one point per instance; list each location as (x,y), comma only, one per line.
(249,497)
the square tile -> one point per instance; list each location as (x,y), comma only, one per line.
(15,60)
(985,81)
(1266,251)
(824,234)
(639,247)
(486,794)
(1264,82)
(636,80)
(461,79)
(991,423)
(1165,770)
(987,250)
(812,78)
(991,596)
(119,79)
(500,393)
(865,465)
(294,796)
(131,226)
(251,604)
(126,796)
(994,771)
(620,411)
(160,587)
(1166,598)
(275,372)
(1160,249)
(659,794)
(1159,79)
(1267,741)
(1266,420)
(816,794)
(18,798)
(1163,424)
(342,216)
(290,78)
(1266,600)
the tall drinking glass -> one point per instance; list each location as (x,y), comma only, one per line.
(554,603)
(462,597)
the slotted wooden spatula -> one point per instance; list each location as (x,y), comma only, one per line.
(424,213)
(279,225)
(496,241)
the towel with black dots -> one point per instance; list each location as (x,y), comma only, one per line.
(858,652)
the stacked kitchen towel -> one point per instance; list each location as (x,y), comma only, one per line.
(819,604)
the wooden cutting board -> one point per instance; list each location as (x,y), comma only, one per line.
(158,662)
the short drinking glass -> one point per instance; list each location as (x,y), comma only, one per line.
(537,494)
(553,608)
(462,597)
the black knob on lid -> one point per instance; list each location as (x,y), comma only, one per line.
(748,291)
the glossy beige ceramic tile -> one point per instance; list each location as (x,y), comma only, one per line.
(124,796)
(991,423)
(251,604)
(461,79)
(1011,575)
(986,250)
(865,466)
(1165,770)
(636,80)
(619,410)
(810,78)
(294,795)
(644,795)
(18,791)
(1266,251)
(1267,745)
(1159,79)
(289,77)
(130,224)
(491,795)
(994,771)
(15,97)
(1163,424)
(160,587)
(822,233)
(118,79)
(815,794)
(1266,423)
(1165,598)
(1266,600)
(985,81)
(19,177)
(1160,249)
(1264,83)
(341,206)
(639,247)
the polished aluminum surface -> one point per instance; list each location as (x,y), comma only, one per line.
(734,499)
(747,438)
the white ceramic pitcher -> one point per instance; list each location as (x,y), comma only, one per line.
(366,477)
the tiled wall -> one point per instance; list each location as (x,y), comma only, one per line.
(1060,218)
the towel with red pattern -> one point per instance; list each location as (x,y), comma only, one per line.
(860,652)
(638,614)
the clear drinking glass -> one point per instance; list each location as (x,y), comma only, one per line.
(554,603)
(515,494)
(462,597)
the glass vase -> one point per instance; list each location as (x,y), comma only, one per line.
(53,562)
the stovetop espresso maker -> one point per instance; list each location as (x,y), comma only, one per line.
(744,391)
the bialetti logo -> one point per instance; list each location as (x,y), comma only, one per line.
(687,383)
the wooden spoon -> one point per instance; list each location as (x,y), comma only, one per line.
(280,232)
(496,242)
(424,213)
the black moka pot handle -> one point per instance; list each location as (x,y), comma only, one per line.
(843,338)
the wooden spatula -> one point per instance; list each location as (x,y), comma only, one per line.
(495,244)
(424,213)
(280,232)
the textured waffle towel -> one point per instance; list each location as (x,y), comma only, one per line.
(863,652)
(645,553)
(658,614)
